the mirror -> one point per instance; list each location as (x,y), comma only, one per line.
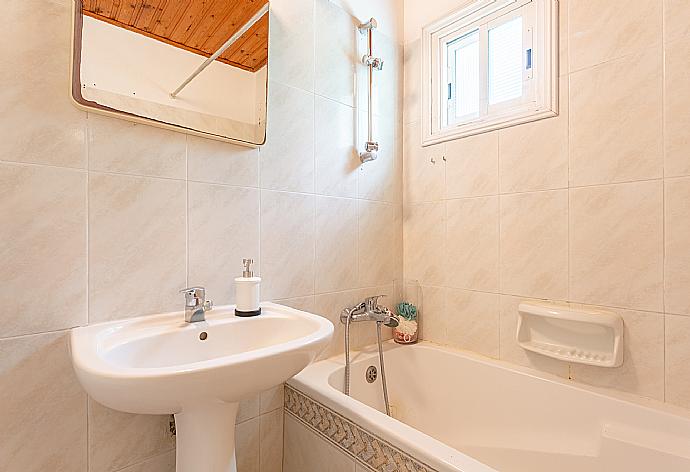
(192,65)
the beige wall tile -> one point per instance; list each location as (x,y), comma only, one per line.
(677,108)
(217,162)
(337,161)
(424,229)
(336,244)
(616,245)
(121,146)
(43,234)
(601,31)
(388,83)
(412,112)
(616,120)
(118,440)
(43,408)
(223,230)
(472,167)
(473,321)
(247,437)
(676,19)
(287,158)
(424,169)
(381,179)
(330,306)
(563,64)
(472,243)
(677,246)
(298,303)
(642,371)
(534,244)
(271,441)
(39,123)
(162,463)
(379,243)
(249,408)
(287,245)
(272,399)
(291,47)
(137,245)
(677,329)
(305,451)
(534,156)
(433,320)
(336,52)
(511,350)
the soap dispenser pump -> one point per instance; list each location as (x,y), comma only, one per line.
(247,291)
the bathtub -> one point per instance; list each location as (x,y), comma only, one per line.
(453,411)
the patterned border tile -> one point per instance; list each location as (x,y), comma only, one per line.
(367,448)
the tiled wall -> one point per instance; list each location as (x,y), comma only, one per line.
(103,219)
(591,207)
(306,451)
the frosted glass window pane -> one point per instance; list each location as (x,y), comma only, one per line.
(467,75)
(505,61)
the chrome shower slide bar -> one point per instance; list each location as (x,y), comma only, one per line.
(371,147)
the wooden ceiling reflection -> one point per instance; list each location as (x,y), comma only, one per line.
(198,26)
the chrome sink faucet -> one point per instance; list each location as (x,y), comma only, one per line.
(196,305)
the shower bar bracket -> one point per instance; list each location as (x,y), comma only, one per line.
(371,147)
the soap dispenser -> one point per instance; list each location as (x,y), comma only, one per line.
(247,291)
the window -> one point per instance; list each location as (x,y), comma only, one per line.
(490,65)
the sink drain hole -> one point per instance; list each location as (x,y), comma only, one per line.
(203,335)
(371,374)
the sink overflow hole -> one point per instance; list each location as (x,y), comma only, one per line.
(371,374)
(203,335)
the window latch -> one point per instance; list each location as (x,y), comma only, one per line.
(450,91)
(528,61)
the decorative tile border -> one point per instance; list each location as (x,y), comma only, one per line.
(364,446)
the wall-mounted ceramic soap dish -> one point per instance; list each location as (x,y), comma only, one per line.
(569,334)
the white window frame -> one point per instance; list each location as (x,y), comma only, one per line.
(538,102)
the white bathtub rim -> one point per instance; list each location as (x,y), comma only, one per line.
(314,382)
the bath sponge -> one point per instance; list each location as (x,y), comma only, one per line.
(407,311)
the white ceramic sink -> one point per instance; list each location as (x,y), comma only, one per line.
(198,371)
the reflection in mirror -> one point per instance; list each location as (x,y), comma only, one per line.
(194,65)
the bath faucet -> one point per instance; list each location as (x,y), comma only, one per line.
(369,310)
(196,305)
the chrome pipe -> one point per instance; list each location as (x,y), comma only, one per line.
(383,369)
(347,355)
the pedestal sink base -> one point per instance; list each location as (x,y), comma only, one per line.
(206,438)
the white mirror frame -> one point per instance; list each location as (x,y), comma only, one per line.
(76,12)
